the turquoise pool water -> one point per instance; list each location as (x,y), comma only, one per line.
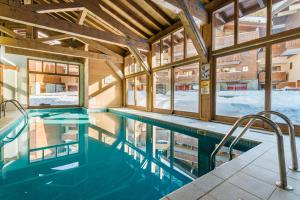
(72,154)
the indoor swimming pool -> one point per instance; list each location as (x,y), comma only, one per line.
(77,154)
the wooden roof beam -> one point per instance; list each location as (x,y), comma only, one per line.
(116,69)
(9,32)
(139,58)
(54,7)
(55,37)
(95,10)
(193,31)
(82,16)
(166,17)
(19,15)
(195,7)
(38,46)
(91,43)
(99,47)
(38,54)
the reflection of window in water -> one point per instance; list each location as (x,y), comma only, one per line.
(186,152)
(136,133)
(161,144)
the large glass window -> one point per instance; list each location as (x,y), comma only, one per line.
(240,83)
(252,22)
(130,91)
(35,65)
(223,27)
(132,65)
(60,88)
(141,90)
(186,85)
(156,54)
(49,67)
(190,48)
(137,91)
(178,45)
(162,89)
(53,90)
(286,79)
(285,15)
(166,50)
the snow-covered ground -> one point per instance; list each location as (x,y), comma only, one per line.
(54,99)
(238,103)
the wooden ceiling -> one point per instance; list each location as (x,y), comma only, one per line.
(134,20)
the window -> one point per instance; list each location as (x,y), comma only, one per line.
(162,89)
(178,44)
(132,66)
(53,90)
(156,54)
(130,91)
(166,50)
(186,85)
(245,68)
(61,68)
(56,89)
(190,48)
(35,66)
(223,27)
(137,91)
(252,23)
(141,90)
(49,67)
(241,92)
(286,82)
(73,70)
(285,15)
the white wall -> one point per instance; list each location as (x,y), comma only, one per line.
(20,79)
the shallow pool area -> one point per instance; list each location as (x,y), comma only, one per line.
(78,154)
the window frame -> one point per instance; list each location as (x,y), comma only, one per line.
(52,74)
(264,42)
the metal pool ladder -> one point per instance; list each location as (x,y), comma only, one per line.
(17,104)
(282,183)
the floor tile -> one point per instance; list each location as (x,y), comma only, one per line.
(227,191)
(252,185)
(224,171)
(283,195)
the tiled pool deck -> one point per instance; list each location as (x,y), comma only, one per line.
(251,176)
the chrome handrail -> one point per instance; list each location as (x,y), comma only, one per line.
(291,130)
(16,104)
(282,183)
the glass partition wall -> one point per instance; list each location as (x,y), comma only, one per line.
(173,85)
(256,56)
(53,84)
(175,66)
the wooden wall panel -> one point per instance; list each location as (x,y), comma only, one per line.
(104,86)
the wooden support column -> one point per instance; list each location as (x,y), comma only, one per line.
(193,31)
(86,79)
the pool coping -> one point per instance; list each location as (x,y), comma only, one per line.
(226,181)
